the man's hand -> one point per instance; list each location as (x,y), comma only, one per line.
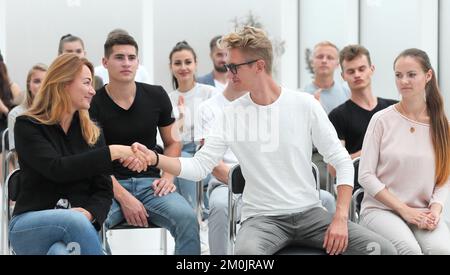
(336,237)
(317,94)
(134,211)
(163,186)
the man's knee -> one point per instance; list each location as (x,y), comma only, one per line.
(247,246)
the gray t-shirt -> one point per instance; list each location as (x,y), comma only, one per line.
(330,98)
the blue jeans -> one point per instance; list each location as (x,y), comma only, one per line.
(187,188)
(171,212)
(54,232)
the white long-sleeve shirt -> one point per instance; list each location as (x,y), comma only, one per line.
(402,162)
(273,144)
(192,101)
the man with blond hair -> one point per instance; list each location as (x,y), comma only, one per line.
(330,93)
(271,130)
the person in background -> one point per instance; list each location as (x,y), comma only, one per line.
(218,77)
(35,77)
(330,93)
(186,99)
(351,118)
(141,73)
(73,44)
(10,96)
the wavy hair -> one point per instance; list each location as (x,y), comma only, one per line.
(52,100)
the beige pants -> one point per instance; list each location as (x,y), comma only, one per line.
(407,238)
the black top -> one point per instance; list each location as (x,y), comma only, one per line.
(151,109)
(55,165)
(351,121)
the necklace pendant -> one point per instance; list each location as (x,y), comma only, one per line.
(412,130)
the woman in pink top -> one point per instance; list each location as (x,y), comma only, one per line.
(405,163)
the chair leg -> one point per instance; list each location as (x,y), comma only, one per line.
(163,241)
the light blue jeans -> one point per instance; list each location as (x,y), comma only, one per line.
(54,232)
(188,188)
(171,212)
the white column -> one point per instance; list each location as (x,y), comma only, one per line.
(289,69)
(148,38)
(332,20)
(444,44)
(444,67)
(389,27)
(3,27)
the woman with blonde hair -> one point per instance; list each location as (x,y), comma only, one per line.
(35,77)
(405,162)
(65,190)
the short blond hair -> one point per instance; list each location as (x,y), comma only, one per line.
(326,44)
(252,42)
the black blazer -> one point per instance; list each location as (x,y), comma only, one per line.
(57,165)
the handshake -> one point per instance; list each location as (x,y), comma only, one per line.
(136,157)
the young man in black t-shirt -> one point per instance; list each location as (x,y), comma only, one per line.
(353,116)
(129,112)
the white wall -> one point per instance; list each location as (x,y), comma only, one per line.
(288,72)
(332,20)
(3,27)
(389,27)
(444,67)
(197,22)
(444,60)
(34,27)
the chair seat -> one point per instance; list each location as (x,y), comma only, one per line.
(125,225)
(300,250)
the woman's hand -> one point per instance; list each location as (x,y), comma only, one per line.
(85,212)
(418,217)
(133,160)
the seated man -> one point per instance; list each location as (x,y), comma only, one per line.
(130,111)
(209,111)
(271,130)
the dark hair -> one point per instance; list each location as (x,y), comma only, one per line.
(119,39)
(213,42)
(440,132)
(180,46)
(66,39)
(5,86)
(116,32)
(351,52)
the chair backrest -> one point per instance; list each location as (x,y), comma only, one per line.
(356,184)
(13,184)
(10,193)
(238,181)
(5,140)
(358,193)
